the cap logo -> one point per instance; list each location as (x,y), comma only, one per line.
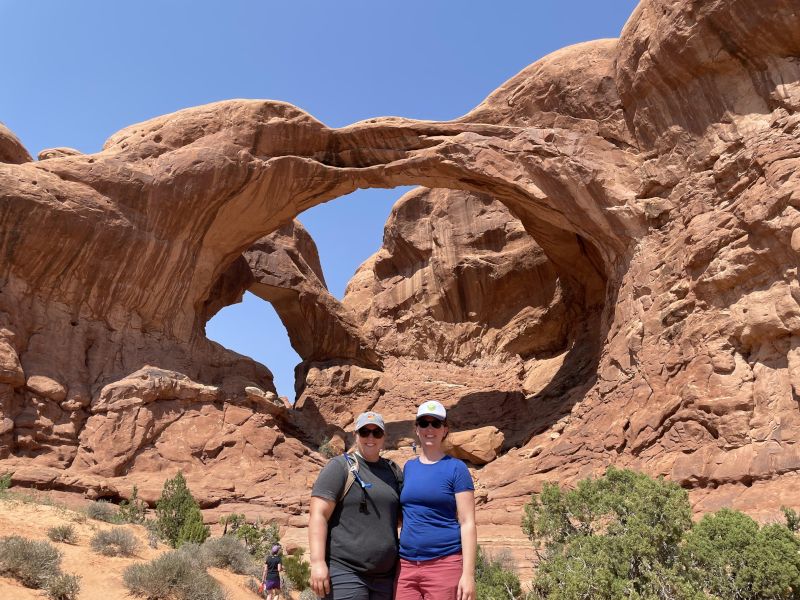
(370,416)
(431,406)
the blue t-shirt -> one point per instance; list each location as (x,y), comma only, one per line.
(430,519)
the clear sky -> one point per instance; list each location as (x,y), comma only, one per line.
(75,72)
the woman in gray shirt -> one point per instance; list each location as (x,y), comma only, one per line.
(352,529)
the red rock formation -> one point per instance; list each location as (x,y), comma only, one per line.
(656,173)
(460,303)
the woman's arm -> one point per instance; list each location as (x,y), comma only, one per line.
(320,511)
(465,504)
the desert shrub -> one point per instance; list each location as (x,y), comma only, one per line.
(133,510)
(326,449)
(100,510)
(626,535)
(64,587)
(178,514)
(193,528)
(495,578)
(228,552)
(308,594)
(613,537)
(730,556)
(63,533)
(792,519)
(172,576)
(153,532)
(31,562)
(114,542)
(253,585)
(5,482)
(297,571)
(258,538)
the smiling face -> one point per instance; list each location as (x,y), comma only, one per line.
(429,435)
(369,446)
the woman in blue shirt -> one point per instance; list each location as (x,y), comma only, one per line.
(438,541)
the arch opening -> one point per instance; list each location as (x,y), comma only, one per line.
(492,299)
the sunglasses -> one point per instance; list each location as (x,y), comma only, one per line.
(376,432)
(423,423)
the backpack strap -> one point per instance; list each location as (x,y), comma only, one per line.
(351,463)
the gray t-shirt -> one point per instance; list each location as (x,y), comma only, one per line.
(361,538)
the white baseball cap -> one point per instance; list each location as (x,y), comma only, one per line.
(369,418)
(432,408)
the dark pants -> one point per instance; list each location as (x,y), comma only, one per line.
(347,585)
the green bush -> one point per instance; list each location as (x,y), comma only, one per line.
(193,529)
(64,587)
(100,510)
(730,556)
(495,578)
(326,449)
(114,542)
(5,482)
(172,576)
(257,537)
(63,533)
(228,552)
(133,510)
(792,519)
(178,514)
(31,562)
(296,570)
(626,535)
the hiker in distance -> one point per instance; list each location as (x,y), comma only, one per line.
(439,541)
(353,520)
(271,576)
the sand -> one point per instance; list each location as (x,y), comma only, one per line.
(101,576)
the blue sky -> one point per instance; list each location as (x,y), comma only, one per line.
(76,72)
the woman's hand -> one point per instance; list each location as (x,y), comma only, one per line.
(320,582)
(319,512)
(466,588)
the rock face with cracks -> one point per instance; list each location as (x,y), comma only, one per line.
(600,268)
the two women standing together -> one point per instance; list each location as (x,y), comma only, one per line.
(356,507)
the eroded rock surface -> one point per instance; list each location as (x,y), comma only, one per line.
(640,308)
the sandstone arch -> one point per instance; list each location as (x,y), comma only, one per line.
(657,172)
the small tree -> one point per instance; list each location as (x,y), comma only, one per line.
(193,529)
(297,570)
(495,578)
(133,510)
(626,535)
(730,556)
(176,509)
(257,537)
(613,537)
(792,519)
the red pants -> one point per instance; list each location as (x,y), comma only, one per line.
(435,579)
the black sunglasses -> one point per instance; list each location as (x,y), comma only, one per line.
(423,423)
(376,432)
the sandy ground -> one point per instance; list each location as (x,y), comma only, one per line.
(101,576)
